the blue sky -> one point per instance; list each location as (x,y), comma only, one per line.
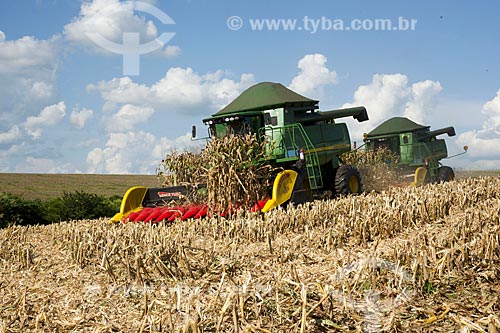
(67,104)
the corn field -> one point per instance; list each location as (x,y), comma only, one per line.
(402,260)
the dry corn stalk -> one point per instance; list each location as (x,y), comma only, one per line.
(237,171)
(182,167)
(234,168)
(376,168)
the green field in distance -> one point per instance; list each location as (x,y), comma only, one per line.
(47,186)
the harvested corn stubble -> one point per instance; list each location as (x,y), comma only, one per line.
(404,260)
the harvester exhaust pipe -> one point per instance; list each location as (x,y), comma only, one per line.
(359,113)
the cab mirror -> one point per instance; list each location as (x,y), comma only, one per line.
(193,131)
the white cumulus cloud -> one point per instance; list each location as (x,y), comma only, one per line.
(26,53)
(492,110)
(80,118)
(128,116)
(11,135)
(49,116)
(122,90)
(180,88)
(170,51)
(41,89)
(389,95)
(27,77)
(110,19)
(128,105)
(187,89)
(484,143)
(423,100)
(313,76)
(133,152)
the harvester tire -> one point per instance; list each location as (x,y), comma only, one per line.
(446,174)
(347,180)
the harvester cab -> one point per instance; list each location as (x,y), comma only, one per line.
(417,148)
(300,140)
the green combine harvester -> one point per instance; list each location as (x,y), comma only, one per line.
(417,148)
(304,142)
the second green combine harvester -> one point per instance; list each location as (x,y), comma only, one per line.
(304,142)
(418,150)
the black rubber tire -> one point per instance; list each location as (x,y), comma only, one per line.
(446,174)
(347,180)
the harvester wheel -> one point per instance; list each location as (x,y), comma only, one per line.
(446,174)
(347,180)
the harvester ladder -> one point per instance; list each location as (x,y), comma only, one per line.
(294,137)
(433,163)
(312,161)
